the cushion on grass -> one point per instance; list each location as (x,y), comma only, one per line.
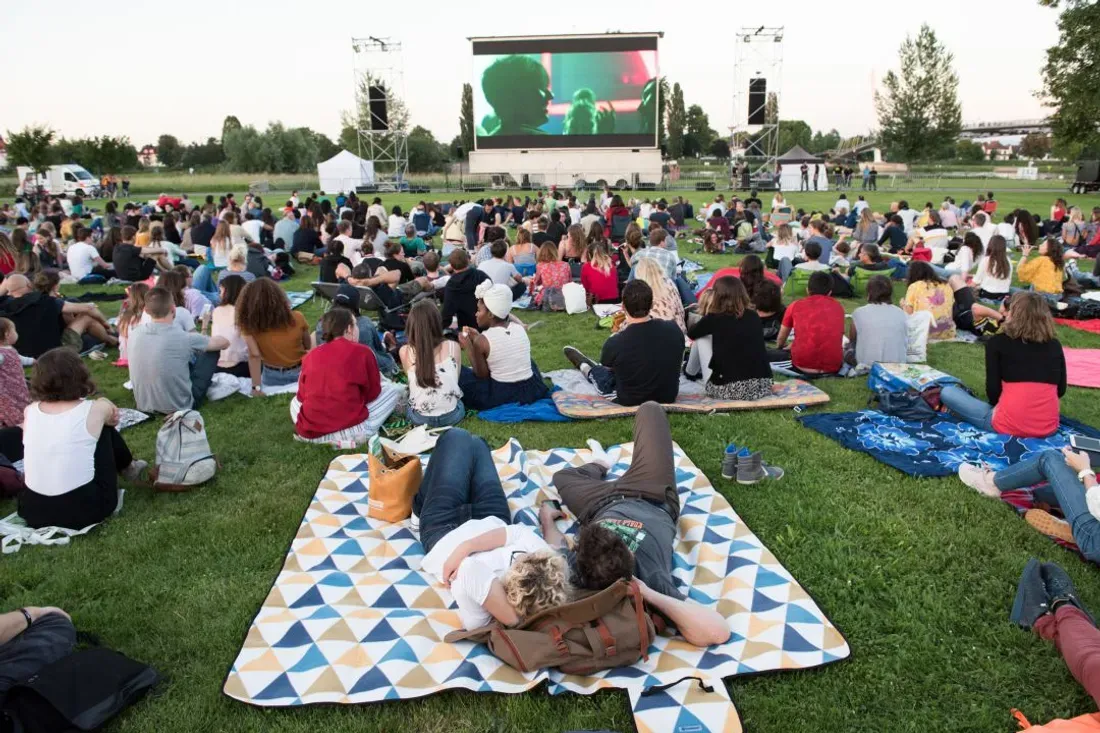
(352,619)
(791,393)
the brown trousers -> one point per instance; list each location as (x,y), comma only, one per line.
(651,475)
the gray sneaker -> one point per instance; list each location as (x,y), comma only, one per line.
(576,358)
(752,470)
(730,457)
(136,472)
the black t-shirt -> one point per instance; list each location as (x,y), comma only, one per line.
(541,238)
(459,299)
(739,353)
(649,532)
(556,230)
(37,318)
(896,237)
(392,264)
(753,200)
(646,359)
(661,217)
(519,213)
(202,234)
(129,264)
(305,240)
(329,264)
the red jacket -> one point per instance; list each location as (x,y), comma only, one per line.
(338,379)
(604,288)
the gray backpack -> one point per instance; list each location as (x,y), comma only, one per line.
(184,459)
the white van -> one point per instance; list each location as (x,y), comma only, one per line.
(68,178)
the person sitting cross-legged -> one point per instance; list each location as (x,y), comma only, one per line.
(628,526)
(502,370)
(496,570)
(341,396)
(640,363)
(818,321)
(170,369)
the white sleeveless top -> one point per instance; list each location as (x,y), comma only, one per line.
(59,453)
(509,353)
(436,401)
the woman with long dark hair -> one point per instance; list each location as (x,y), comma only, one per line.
(1027,231)
(277,336)
(735,361)
(993,278)
(432,364)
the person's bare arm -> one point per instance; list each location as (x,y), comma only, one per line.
(852,332)
(784,334)
(698,625)
(77,309)
(15,623)
(496,603)
(218,343)
(307,343)
(547,516)
(255,364)
(484,542)
(478,351)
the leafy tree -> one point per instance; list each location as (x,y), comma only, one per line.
(243,150)
(1071,84)
(698,136)
(169,151)
(919,115)
(663,93)
(677,122)
(204,155)
(465,122)
(1035,145)
(31,147)
(425,152)
(821,142)
(230,124)
(720,149)
(771,109)
(454,148)
(969,151)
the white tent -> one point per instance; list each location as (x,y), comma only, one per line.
(791,171)
(344,171)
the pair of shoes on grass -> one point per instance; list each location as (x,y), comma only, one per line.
(1043,589)
(980,478)
(747,467)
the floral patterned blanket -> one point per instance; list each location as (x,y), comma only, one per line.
(935,447)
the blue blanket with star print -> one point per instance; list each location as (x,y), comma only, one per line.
(934,447)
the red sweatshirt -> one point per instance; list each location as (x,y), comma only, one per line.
(338,379)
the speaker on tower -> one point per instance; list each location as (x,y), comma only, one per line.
(376,101)
(758,100)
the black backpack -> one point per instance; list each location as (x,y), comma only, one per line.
(80,692)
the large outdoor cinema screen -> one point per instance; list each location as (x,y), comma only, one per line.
(566,92)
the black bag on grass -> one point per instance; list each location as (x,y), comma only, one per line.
(908,404)
(80,692)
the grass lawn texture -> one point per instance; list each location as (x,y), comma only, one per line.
(918,574)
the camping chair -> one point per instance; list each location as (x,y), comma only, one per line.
(937,242)
(797,285)
(990,207)
(783,216)
(859,279)
(368,299)
(618,228)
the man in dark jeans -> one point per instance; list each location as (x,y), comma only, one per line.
(31,638)
(628,526)
(640,363)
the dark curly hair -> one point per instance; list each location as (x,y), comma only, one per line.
(262,307)
(601,558)
(60,376)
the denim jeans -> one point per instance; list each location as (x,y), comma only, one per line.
(460,484)
(1067,490)
(967,408)
(437,421)
(202,369)
(49,639)
(279,377)
(687,294)
(203,279)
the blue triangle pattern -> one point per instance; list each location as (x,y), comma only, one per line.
(397,563)
(324,612)
(390,598)
(655,701)
(279,688)
(466,669)
(359,524)
(690,509)
(327,564)
(311,597)
(400,651)
(713,538)
(710,660)
(372,680)
(382,631)
(734,562)
(700,597)
(744,669)
(761,602)
(631,672)
(738,545)
(312,660)
(295,636)
(687,721)
(795,642)
(413,578)
(402,534)
(766,578)
(719,520)
(348,510)
(479,650)
(798,615)
(404,613)
(393,694)
(337,580)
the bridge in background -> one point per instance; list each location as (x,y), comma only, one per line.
(1004,127)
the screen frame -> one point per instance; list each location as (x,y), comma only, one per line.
(616,42)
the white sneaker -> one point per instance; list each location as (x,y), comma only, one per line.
(414,525)
(980,479)
(599,455)
(133,472)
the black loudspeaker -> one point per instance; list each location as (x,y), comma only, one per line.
(704,185)
(643,186)
(376,101)
(758,100)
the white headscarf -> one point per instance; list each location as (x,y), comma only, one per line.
(498,298)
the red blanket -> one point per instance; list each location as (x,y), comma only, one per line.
(1083,366)
(1092,326)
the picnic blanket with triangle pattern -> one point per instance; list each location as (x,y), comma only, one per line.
(351,619)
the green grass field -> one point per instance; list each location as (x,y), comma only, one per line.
(918,574)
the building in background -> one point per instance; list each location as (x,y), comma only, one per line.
(3,154)
(148,157)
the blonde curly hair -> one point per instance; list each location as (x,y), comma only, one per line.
(537,581)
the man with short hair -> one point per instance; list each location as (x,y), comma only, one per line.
(85,264)
(819,321)
(285,228)
(542,235)
(642,361)
(44,322)
(503,272)
(170,369)
(894,233)
(628,527)
(133,263)
(908,216)
(459,299)
(984,228)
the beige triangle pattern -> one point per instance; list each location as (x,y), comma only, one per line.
(327,684)
(234,687)
(339,631)
(356,657)
(418,678)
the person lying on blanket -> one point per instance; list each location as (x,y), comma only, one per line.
(628,526)
(495,569)
(1025,375)
(1072,487)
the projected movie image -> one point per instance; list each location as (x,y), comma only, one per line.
(561,100)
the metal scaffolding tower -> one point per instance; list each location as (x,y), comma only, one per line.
(758,54)
(381,130)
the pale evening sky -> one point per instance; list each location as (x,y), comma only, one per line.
(181,68)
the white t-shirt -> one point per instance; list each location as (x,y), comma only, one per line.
(985,233)
(964,261)
(984,279)
(842,204)
(788,251)
(501,272)
(859,206)
(253,227)
(1007,231)
(81,257)
(478,571)
(575,215)
(241,235)
(645,210)
(184,321)
(908,216)
(397,225)
(377,211)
